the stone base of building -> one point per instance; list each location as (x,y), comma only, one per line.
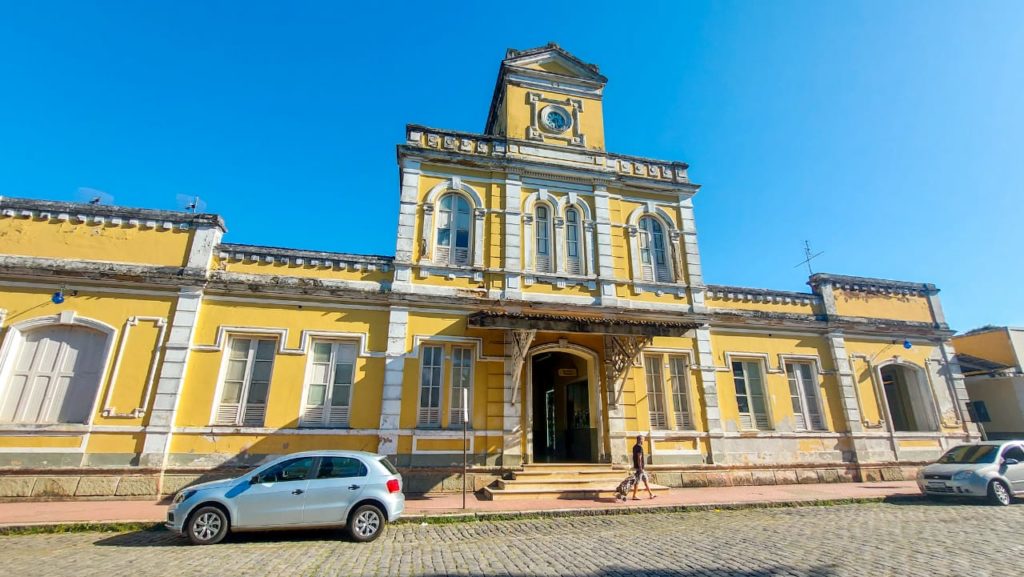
(57,484)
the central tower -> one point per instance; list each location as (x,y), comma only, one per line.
(548,95)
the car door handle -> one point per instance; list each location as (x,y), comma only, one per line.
(353,487)
(298,492)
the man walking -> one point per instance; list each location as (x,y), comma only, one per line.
(638,468)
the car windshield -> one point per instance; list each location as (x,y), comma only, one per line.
(971,454)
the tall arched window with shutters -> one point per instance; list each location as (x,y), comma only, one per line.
(542,234)
(453,230)
(573,243)
(654,255)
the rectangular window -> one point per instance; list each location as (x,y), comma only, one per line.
(431,375)
(329,390)
(462,374)
(750,397)
(803,392)
(655,392)
(243,397)
(680,393)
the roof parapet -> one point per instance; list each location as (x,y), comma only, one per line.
(870,285)
(13,207)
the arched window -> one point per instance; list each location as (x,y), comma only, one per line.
(55,377)
(908,399)
(453,220)
(573,243)
(653,251)
(542,232)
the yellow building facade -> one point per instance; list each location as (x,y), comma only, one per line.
(544,293)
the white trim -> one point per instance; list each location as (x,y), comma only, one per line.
(763,357)
(108,409)
(305,337)
(324,431)
(306,377)
(475,342)
(292,303)
(15,336)
(87,288)
(595,388)
(921,381)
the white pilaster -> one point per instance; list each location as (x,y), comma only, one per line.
(605,263)
(394,373)
(694,276)
(512,243)
(405,246)
(709,386)
(169,384)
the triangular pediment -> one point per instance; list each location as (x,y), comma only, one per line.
(554,60)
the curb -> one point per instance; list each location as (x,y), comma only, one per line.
(481,516)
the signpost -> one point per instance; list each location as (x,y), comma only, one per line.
(465,438)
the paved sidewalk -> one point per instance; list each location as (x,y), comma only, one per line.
(58,512)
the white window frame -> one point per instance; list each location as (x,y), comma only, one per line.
(809,408)
(749,419)
(575,265)
(450,255)
(243,409)
(429,417)
(654,379)
(653,272)
(682,410)
(455,414)
(544,263)
(328,415)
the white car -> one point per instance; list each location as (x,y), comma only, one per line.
(993,470)
(353,489)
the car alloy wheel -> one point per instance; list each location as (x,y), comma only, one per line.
(207,526)
(998,493)
(366,523)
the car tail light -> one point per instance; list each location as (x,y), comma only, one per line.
(394,486)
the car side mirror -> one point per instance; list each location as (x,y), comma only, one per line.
(1010,461)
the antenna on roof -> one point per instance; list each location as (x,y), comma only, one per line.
(191,203)
(808,257)
(93,196)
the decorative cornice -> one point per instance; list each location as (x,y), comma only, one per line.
(732,293)
(102,214)
(295,257)
(871,285)
(597,165)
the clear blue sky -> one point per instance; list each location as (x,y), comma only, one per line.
(889,134)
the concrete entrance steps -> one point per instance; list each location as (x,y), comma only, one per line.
(561,481)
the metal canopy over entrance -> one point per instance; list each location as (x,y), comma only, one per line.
(563,420)
(581,324)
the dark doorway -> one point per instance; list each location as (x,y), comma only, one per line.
(561,409)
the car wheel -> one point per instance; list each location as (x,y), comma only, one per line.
(998,494)
(207,526)
(366,523)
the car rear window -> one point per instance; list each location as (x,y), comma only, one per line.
(970,454)
(387,465)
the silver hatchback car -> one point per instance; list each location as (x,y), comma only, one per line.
(993,470)
(353,489)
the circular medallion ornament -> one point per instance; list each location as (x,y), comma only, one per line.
(555,118)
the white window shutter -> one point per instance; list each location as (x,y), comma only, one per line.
(227,413)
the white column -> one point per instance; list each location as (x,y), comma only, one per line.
(605,263)
(405,247)
(394,374)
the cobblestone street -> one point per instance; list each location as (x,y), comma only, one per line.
(951,539)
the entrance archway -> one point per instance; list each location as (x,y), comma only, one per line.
(563,405)
(908,400)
